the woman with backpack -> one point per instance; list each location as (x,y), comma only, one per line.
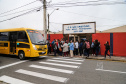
(107,48)
(87,47)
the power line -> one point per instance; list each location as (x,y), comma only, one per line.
(77,2)
(19,15)
(90,16)
(20,11)
(18,7)
(114,3)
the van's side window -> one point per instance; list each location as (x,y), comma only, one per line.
(22,36)
(4,36)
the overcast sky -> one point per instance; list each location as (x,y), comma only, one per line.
(105,16)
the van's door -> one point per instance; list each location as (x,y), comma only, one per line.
(13,39)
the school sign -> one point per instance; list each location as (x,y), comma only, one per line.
(79,28)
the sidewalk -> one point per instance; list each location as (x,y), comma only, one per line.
(100,57)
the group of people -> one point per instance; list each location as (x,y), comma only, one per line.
(66,48)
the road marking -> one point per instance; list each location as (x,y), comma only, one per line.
(45,76)
(64,61)
(2,67)
(12,80)
(52,69)
(111,71)
(69,59)
(99,65)
(63,65)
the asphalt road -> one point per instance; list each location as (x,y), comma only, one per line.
(59,70)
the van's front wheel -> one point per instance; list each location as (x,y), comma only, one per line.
(21,55)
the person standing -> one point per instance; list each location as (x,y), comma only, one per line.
(55,48)
(87,47)
(60,48)
(107,48)
(71,48)
(96,47)
(76,47)
(80,47)
(65,49)
(93,48)
(68,47)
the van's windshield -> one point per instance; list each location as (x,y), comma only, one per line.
(36,37)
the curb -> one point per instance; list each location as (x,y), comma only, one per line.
(107,60)
(114,60)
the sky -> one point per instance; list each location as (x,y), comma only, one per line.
(70,11)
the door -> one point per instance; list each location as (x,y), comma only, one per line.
(13,39)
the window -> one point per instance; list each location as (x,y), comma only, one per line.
(3,36)
(22,36)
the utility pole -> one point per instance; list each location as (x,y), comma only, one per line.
(48,23)
(44,20)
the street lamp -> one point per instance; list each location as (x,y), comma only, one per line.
(48,21)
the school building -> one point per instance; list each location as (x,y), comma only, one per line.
(115,36)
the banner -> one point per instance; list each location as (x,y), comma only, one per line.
(79,28)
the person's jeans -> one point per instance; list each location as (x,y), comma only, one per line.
(55,52)
(76,51)
(97,51)
(49,50)
(87,52)
(106,53)
(80,51)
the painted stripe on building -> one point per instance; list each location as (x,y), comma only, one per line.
(52,69)
(44,76)
(111,44)
(63,65)
(64,61)
(12,80)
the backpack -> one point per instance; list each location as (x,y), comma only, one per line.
(87,45)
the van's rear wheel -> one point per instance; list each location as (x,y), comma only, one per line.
(21,55)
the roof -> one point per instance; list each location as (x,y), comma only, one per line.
(15,29)
(117,29)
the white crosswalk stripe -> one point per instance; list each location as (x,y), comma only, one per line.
(12,80)
(49,65)
(78,60)
(63,65)
(64,61)
(41,75)
(52,69)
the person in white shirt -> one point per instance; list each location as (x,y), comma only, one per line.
(65,49)
(76,47)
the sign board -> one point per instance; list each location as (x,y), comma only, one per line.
(79,28)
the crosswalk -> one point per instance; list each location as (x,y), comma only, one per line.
(62,65)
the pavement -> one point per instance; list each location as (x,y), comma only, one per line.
(61,70)
(101,57)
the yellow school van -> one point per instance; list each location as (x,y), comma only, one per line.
(23,42)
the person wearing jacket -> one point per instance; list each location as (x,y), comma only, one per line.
(55,48)
(65,48)
(96,45)
(71,48)
(80,47)
(107,48)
